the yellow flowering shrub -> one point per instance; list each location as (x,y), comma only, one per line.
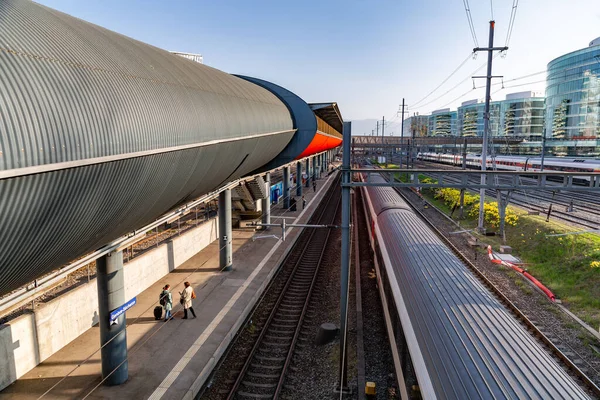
(595,264)
(491,214)
(452,197)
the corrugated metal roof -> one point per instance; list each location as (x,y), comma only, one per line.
(72,92)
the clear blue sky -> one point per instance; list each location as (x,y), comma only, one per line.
(366,55)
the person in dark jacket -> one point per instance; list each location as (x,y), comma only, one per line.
(167,301)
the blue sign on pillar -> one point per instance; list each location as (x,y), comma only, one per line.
(116,313)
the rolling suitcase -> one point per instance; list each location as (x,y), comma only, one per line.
(158,312)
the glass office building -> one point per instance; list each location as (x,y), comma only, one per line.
(471,121)
(522,116)
(443,123)
(573,100)
(417,126)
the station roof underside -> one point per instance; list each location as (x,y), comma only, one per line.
(330,113)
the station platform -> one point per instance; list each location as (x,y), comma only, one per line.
(172,360)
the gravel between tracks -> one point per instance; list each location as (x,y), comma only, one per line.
(565,333)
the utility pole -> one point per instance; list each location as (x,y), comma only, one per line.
(375,142)
(486,117)
(403,112)
(543,147)
(382,139)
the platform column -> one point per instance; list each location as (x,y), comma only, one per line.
(345,259)
(266,202)
(314,167)
(307,168)
(286,187)
(113,338)
(225,242)
(299,179)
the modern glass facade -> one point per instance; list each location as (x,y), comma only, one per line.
(522,118)
(516,116)
(573,96)
(471,121)
(417,125)
(443,123)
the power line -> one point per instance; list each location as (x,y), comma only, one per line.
(470,21)
(511,23)
(455,86)
(445,80)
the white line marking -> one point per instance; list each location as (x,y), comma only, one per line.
(187,357)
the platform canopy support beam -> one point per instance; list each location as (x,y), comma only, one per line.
(286,187)
(342,383)
(113,334)
(299,179)
(266,202)
(307,167)
(225,239)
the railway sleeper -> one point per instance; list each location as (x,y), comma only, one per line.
(274,337)
(282,328)
(259,385)
(258,366)
(288,308)
(274,344)
(270,358)
(293,303)
(263,376)
(254,395)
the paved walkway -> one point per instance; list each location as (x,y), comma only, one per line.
(172,360)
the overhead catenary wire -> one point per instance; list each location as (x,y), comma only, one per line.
(511,22)
(445,80)
(455,86)
(470,21)
(495,84)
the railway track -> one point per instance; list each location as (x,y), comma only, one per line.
(544,334)
(588,206)
(264,370)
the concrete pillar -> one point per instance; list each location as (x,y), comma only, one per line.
(111,296)
(299,179)
(286,187)
(266,203)
(225,235)
(307,167)
(314,167)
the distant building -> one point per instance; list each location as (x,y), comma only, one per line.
(417,125)
(443,123)
(471,118)
(522,116)
(190,56)
(573,101)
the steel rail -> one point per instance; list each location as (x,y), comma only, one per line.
(306,247)
(290,354)
(506,301)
